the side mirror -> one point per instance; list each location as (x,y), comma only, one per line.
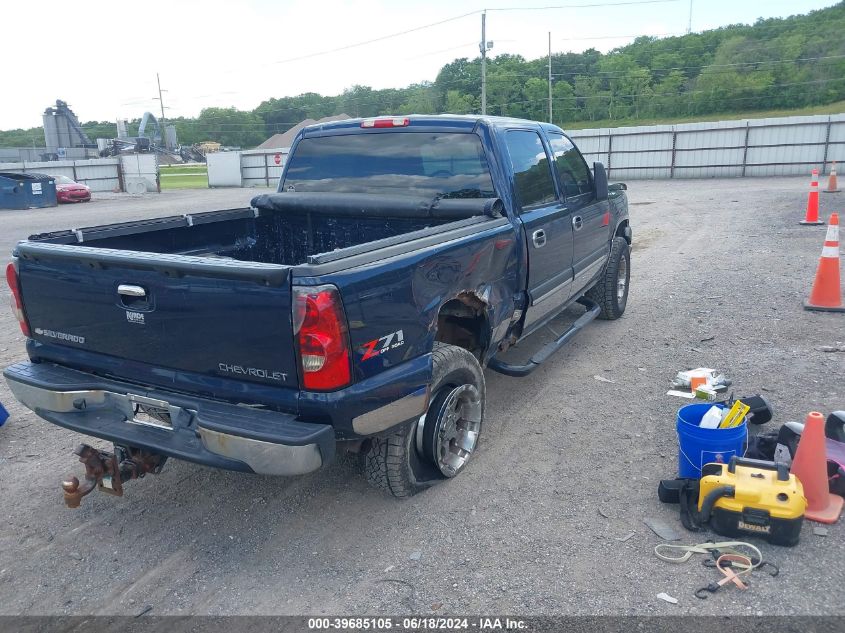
(600,181)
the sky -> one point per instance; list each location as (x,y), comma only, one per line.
(101,57)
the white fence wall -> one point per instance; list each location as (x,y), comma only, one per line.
(140,173)
(34,154)
(259,167)
(252,168)
(224,169)
(100,174)
(750,147)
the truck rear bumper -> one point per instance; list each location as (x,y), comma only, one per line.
(195,429)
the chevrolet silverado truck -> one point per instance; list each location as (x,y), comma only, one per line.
(353,310)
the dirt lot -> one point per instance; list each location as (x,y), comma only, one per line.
(568,464)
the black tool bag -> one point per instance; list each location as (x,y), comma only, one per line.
(685,493)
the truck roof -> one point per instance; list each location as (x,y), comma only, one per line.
(452,121)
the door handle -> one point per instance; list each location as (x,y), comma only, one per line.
(133,297)
(577,222)
(539,238)
(128,290)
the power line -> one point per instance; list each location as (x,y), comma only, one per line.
(493,77)
(607,75)
(586,73)
(407,31)
(673,96)
(461,16)
(340,99)
(707,66)
(615,37)
(658,96)
(583,6)
(376,39)
(442,50)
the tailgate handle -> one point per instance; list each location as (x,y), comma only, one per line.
(128,290)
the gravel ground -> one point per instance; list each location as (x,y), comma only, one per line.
(568,464)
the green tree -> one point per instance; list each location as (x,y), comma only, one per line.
(231,127)
(504,86)
(669,98)
(536,94)
(462,75)
(459,103)
(419,99)
(563,98)
(592,102)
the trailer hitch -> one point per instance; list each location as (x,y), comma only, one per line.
(109,471)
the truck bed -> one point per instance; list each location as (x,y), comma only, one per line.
(286,229)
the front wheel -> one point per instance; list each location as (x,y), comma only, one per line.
(611,290)
(441,442)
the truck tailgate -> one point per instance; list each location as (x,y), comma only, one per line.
(216,317)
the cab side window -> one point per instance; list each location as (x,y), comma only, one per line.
(571,169)
(532,173)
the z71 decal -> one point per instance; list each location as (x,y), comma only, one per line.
(383,344)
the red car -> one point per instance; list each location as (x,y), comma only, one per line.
(69,191)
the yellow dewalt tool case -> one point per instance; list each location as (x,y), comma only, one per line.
(750,496)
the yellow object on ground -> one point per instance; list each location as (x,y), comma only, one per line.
(735,416)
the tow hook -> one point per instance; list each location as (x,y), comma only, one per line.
(109,471)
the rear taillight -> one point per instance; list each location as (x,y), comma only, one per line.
(319,326)
(17,301)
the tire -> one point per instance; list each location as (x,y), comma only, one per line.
(609,291)
(420,454)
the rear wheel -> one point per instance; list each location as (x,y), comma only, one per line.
(441,442)
(611,290)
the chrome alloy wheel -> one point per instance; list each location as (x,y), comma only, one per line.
(457,424)
(622,280)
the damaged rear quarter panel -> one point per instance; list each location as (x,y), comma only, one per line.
(400,297)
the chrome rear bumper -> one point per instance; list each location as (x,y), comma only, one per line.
(196,429)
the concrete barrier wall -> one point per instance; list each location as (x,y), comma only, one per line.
(749,147)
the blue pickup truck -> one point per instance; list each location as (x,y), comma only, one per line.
(353,310)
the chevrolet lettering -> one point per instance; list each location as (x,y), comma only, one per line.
(252,371)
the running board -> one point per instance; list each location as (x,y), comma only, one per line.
(535,361)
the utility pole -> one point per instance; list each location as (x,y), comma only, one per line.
(689,23)
(163,121)
(550,76)
(483,47)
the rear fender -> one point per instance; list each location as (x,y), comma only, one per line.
(464,321)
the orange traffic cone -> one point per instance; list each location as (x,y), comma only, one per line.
(812,216)
(826,294)
(832,183)
(810,466)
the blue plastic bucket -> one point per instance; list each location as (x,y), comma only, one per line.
(697,446)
